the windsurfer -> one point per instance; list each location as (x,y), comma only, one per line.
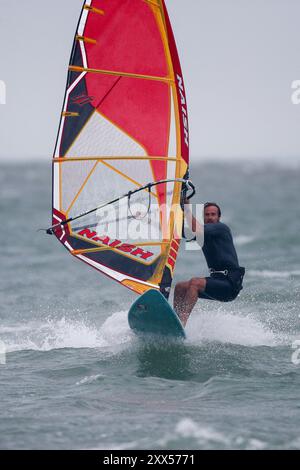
(226,276)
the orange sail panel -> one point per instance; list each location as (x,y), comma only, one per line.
(123,125)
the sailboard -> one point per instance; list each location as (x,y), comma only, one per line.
(151,314)
(123,140)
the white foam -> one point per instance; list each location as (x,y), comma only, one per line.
(226,327)
(90,379)
(14,329)
(115,329)
(241,240)
(68,333)
(273,274)
(250,444)
(210,325)
(188,429)
(207,437)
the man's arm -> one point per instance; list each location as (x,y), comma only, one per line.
(195,226)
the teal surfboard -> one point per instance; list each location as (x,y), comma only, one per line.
(152,314)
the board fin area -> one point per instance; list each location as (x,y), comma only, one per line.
(151,314)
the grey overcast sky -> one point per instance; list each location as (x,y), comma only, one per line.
(239,59)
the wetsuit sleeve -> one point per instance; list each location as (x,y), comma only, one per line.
(211,230)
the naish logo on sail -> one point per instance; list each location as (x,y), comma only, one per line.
(120,246)
(183,109)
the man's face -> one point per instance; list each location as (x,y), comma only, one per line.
(211,215)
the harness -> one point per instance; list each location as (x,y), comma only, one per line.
(213,271)
(234,276)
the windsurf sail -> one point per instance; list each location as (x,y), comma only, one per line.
(122,144)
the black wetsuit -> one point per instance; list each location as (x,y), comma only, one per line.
(220,255)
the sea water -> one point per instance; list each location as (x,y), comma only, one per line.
(74,376)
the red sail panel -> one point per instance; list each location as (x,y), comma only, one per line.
(128,38)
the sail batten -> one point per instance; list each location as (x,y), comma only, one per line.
(74,68)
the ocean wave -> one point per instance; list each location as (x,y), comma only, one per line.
(226,327)
(67,333)
(114,334)
(268,274)
(90,379)
(188,431)
(206,437)
(241,240)
(192,435)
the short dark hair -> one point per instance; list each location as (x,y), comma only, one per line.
(207,204)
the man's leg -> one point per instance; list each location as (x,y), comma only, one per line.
(186,296)
(196,286)
(179,296)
